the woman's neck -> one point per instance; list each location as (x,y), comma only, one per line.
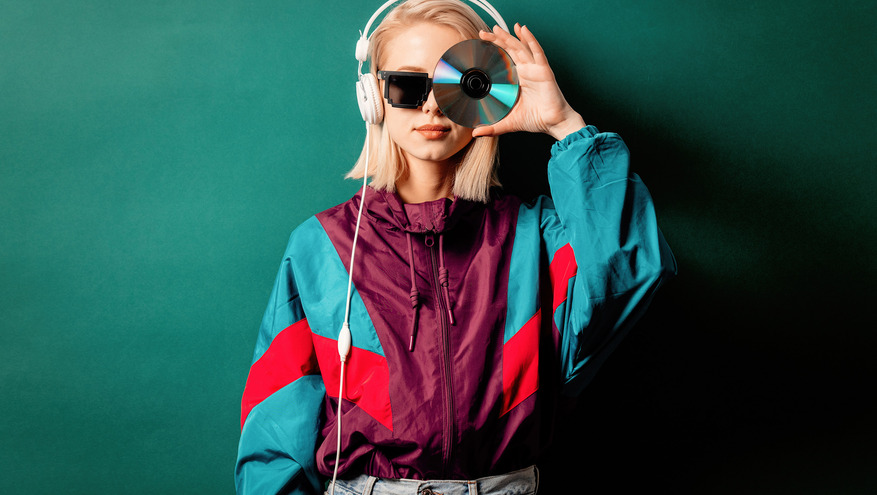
(426,181)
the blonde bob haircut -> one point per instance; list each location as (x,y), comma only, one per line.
(476,170)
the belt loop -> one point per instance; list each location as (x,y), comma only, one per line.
(473,487)
(369,485)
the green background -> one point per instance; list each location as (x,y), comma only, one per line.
(155,155)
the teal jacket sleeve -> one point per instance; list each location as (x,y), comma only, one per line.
(609,256)
(282,401)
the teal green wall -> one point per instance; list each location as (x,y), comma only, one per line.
(154,157)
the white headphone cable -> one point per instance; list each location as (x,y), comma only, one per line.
(344,338)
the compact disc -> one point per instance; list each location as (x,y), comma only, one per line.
(475,83)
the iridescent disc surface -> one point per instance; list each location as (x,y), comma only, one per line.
(475,83)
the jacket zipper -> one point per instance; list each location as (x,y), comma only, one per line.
(448,440)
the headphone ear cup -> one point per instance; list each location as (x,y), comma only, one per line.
(368,95)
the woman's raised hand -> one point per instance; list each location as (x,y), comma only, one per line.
(541,106)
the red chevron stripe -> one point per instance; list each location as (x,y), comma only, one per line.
(563,268)
(520,364)
(289,357)
(367,380)
(520,355)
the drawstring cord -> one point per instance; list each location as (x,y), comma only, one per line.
(414,295)
(443,278)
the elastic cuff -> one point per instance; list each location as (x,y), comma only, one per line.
(585,132)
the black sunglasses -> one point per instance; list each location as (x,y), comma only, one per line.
(406,89)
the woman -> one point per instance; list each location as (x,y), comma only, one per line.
(473,313)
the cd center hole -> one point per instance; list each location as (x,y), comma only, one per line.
(475,83)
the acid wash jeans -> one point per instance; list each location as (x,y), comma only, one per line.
(522,482)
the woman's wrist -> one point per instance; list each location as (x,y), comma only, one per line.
(570,124)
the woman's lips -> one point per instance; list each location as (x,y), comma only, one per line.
(433,131)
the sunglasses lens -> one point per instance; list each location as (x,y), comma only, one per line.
(407,91)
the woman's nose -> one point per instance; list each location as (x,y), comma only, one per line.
(430,105)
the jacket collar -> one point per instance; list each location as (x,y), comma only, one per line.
(430,217)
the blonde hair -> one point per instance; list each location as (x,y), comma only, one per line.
(476,171)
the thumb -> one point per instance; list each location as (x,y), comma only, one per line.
(504,126)
(484,130)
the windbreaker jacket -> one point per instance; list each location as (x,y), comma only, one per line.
(468,321)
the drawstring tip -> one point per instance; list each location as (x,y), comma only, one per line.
(413,332)
(448,298)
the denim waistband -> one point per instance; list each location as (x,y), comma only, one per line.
(521,482)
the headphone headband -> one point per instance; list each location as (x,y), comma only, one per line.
(362,43)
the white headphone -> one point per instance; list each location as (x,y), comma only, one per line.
(368,93)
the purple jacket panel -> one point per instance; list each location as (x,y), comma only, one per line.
(446,393)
